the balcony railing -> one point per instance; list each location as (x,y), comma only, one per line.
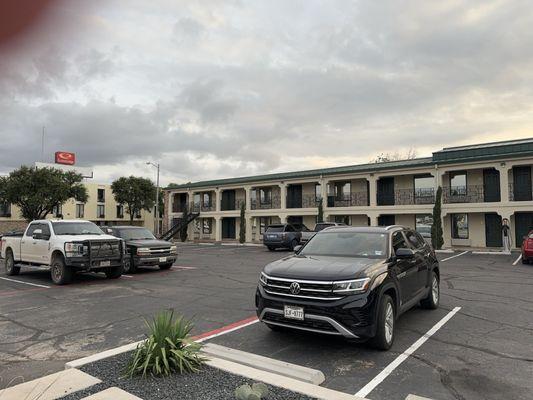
(305,201)
(349,200)
(520,193)
(198,207)
(272,203)
(179,207)
(470,194)
(229,206)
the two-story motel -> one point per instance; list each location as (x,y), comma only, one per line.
(481,185)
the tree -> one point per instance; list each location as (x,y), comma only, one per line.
(242,231)
(36,191)
(184,229)
(320,216)
(437,239)
(136,193)
(396,156)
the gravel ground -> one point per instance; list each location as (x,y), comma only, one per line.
(210,384)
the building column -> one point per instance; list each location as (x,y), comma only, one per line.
(248,236)
(373,190)
(324,194)
(504,183)
(248,198)
(283,195)
(283,218)
(218,229)
(373,219)
(218,200)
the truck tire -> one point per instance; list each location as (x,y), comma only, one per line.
(129,266)
(293,244)
(11,269)
(60,273)
(386,320)
(166,266)
(431,302)
(113,273)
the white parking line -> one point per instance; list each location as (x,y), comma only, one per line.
(25,283)
(402,357)
(457,255)
(126,276)
(518,259)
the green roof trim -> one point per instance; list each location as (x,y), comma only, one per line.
(449,155)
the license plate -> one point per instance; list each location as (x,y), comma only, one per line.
(292,312)
(162,259)
(105,263)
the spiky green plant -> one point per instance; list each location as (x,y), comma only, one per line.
(168,348)
(257,391)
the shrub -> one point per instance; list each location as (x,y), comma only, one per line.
(257,391)
(168,348)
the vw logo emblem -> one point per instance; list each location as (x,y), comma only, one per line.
(294,288)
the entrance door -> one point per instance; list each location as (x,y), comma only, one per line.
(228,228)
(228,200)
(294,196)
(523,224)
(386,191)
(493,230)
(522,183)
(491,185)
(386,220)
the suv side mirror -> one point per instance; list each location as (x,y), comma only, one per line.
(297,248)
(405,253)
(37,234)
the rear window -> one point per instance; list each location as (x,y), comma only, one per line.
(319,227)
(275,228)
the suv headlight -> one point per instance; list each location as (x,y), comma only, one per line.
(74,249)
(351,287)
(263,279)
(174,249)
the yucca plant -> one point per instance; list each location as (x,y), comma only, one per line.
(168,349)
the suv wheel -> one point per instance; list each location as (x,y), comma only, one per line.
(129,266)
(61,274)
(11,269)
(385,324)
(432,300)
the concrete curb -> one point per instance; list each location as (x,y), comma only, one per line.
(304,374)
(496,253)
(291,384)
(415,397)
(102,355)
(112,393)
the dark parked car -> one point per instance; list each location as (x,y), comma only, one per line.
(283,236)
(143,249)
(350,281)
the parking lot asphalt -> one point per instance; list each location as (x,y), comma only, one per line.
(485,351)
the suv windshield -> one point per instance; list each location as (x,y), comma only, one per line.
(76,228)
(347,244)
(135,234)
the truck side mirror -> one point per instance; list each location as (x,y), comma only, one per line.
(37,234)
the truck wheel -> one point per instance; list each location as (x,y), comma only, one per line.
(432,300)
(61,274)
(11,269)
(113,273)
(386,319)
(166,266)
(293,244)
(129,266)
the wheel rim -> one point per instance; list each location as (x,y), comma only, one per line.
(56,273)
(389,323)
(435,290)
(9,264)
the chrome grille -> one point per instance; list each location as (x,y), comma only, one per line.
(314,290)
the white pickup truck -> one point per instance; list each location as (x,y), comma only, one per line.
(65,247)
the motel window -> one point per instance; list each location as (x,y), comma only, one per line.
(100,211)
(342,190)
(57,211)
(80,210)
(264,222)
(424,189)
(138,214)
(458,183)
(5,210)
(197,225)
(196,199)
(207,225)
(120,211)
(206,199)
(459,226)
(265,195)
(101,195)
(423,224)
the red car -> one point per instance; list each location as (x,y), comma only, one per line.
(527,248)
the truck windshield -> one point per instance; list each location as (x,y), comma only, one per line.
(347,244)
(136,234)
(76,228)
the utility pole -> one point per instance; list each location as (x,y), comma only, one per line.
(156,227)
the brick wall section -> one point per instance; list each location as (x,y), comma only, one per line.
(6,226)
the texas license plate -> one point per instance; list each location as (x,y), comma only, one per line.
(105,263)
(162,259)
(292,312)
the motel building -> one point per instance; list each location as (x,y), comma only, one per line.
(481,185)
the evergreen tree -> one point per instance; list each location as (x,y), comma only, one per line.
(242,232)
(437,239)
(320,216)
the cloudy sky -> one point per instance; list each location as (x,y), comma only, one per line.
(230,88)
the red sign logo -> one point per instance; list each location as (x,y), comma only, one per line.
(62,157)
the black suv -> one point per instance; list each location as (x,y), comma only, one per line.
(350,281)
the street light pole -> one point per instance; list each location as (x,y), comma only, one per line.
(156,227)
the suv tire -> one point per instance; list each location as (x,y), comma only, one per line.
(11,269)
(271,248)
(113,273)
(386,319)
(165,266)
(60,273)
(431,302)
(129,266)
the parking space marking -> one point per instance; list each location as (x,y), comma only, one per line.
(457,255)
(126,276)
(25,283)
(518,259)
(402,357)
(226,329)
